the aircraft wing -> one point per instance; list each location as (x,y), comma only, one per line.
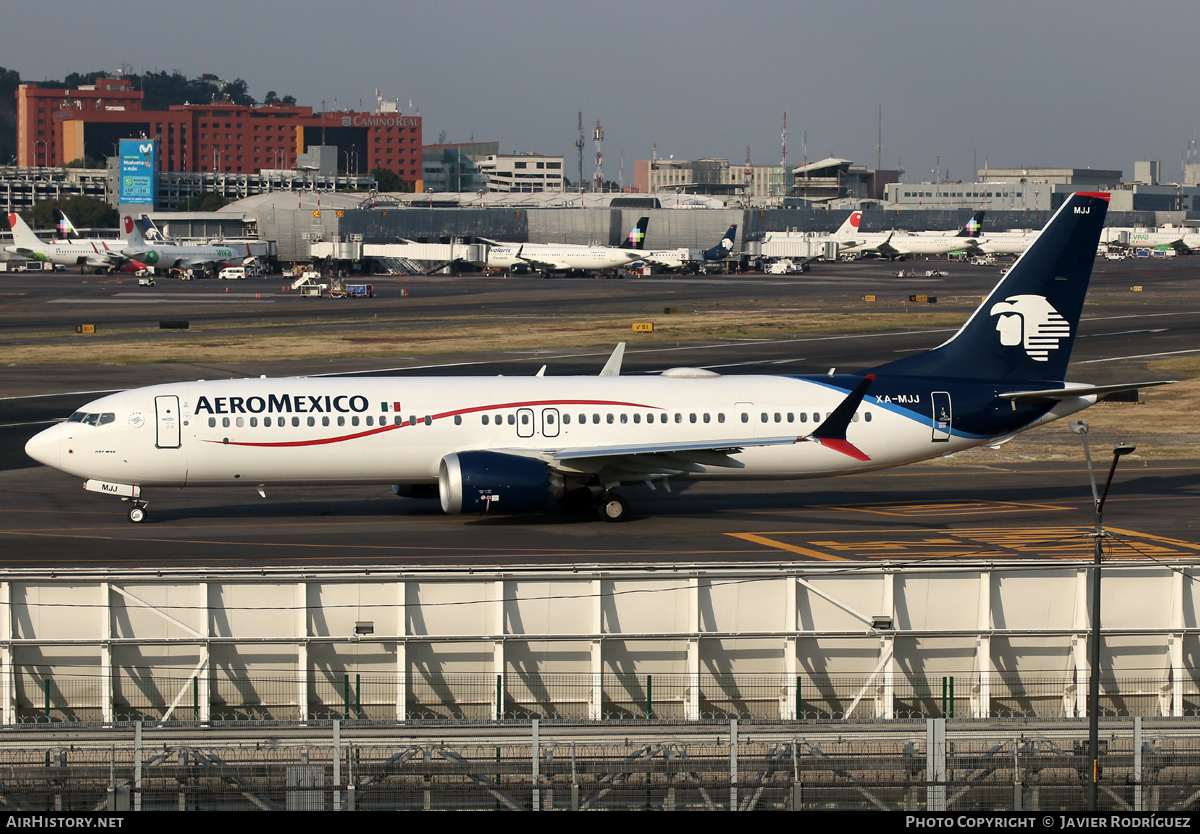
(636,462)
(537,263)
(1102,391)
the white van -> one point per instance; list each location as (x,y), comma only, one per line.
(232,273)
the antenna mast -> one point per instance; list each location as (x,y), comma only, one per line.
(598,179)
(783,141)
(579,147)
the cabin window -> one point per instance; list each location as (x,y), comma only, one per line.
(512,420)
(791,417)
(324,421)
(720,416)
(816,416)
(239,421)
(253,422)
(524,419)
(637,418)
(624,418)
(396,421)
(267,422)
(458,419)
(778,417)
(867,416)
(745,417)
(608,418)
(499,419)
(370,420)
(550,419)
(354,420)
(706,417)
(212,422)
(803,416)
(662,418)
(295,422)
(224,422)
(341,420)
(854,419)
(312,421)
(566,419)
(678,417)
(485,419)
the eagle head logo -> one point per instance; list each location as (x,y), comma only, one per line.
(1032,322)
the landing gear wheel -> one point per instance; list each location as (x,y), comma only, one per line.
(612,507)
(137,513)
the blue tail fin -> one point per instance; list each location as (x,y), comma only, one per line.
(1025,328)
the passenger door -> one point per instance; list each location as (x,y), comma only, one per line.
(166,420)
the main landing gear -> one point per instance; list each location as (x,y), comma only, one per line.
(612,507)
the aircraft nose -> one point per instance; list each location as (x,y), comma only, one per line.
(44,447)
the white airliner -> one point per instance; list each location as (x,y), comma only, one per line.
(98,254)
(165,255)
(513,444)
(567,257)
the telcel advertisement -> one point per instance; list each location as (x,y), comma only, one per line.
(139,161)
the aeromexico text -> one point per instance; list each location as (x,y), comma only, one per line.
(284,404)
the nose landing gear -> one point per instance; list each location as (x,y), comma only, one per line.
(137,511)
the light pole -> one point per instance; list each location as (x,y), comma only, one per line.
(1080,427)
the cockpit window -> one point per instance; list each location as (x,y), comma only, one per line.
(92,419)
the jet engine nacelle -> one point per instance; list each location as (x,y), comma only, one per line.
(480,482)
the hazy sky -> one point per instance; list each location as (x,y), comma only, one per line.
(1089,83)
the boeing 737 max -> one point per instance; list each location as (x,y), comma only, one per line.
(693,260)
(512,444)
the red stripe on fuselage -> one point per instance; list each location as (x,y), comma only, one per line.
(458,412)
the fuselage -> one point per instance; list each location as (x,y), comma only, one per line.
(397,430)
(560,256)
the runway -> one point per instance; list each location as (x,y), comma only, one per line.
(979,506)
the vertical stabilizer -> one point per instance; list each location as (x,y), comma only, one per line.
(1026,327)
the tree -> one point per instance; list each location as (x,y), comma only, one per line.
(388,180)
(85,213)
(208,201)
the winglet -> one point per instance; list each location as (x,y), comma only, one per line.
(613,366)
(832,433)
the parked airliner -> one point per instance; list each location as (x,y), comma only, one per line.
(694,260)
(513,444)
(549,258)
(97,254)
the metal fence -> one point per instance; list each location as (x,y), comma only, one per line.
(427,696)
(996,766)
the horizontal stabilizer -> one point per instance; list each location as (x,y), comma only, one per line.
(1081,391)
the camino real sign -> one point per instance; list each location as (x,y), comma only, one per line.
(139,163)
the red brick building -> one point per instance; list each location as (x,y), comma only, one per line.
(56,126)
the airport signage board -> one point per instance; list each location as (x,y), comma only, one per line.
(139,162)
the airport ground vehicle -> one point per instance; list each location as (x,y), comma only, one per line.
(232,273)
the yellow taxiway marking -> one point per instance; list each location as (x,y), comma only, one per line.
(948,508)
(989,542)
(803,551)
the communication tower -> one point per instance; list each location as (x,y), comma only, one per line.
(598,177)
(579,147)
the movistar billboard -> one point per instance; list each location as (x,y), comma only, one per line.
(139,161)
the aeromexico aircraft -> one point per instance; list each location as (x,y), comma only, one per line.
(694,260)
(566,257)
(512,444)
